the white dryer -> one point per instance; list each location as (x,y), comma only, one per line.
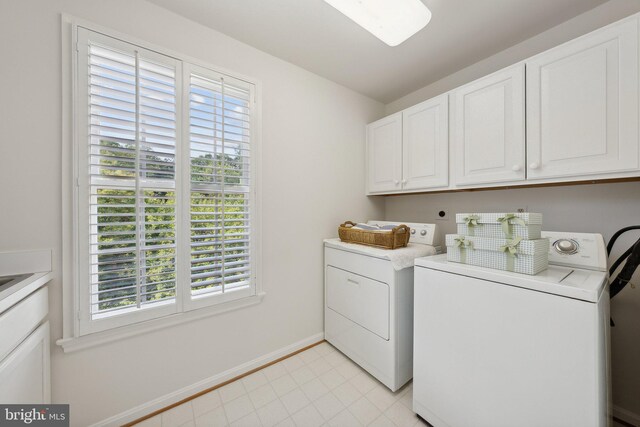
(494,348)
(369,302)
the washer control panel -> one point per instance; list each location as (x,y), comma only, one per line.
(420,232)
(579,250)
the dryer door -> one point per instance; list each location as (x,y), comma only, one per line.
(362,300)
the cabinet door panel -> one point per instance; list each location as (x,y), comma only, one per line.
(25,372)
(384,152)
(582,105)
(488,129)
(425,144)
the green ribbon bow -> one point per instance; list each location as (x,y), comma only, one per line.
(507,220)
(511,249)
(471,221)
(462,243)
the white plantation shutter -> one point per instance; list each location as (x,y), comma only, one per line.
(130,188)
(220,204)
(165,208)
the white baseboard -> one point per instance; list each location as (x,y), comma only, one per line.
(178,395)
(625,415)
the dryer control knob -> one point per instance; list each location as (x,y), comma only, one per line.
(423,233)
(566,246)
(413,231)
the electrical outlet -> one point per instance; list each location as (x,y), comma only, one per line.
(442,214)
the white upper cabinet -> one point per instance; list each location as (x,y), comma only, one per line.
(582,105)
(384,154)
(425,143)
(579,120)
(488,129)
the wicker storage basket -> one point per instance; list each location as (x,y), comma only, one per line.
(398,237)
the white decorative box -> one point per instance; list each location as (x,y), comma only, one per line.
(527,225)
(517,255)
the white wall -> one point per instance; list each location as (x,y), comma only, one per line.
(313,179)
(602,208)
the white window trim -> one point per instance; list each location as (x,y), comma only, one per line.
(72,338)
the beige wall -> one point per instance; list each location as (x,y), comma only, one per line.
(602,208)
(312,131)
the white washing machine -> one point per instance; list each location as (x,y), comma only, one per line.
(369,302)
(493,348)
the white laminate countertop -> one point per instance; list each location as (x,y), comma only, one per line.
(36,265)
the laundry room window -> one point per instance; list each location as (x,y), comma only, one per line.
(165,184)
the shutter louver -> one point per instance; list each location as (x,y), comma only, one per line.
(132,151)
(219,130)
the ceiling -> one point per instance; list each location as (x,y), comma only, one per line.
(315,36)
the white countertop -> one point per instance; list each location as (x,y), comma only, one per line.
(16,293)
(36,265)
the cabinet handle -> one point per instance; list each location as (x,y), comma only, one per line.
(534,165)
(516,168)
(404,181)
(396,182)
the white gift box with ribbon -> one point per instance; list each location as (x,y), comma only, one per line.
(516,255)
(526,225)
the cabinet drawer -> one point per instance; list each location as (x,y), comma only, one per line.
(18,322)
(360,299)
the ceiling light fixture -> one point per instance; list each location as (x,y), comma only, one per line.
(392,21)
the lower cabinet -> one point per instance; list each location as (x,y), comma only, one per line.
(25,373)
(24,351)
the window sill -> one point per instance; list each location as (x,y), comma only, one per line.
(99,338)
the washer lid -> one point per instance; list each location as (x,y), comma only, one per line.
(574,283)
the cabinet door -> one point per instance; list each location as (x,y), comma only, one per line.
(582,105)
(24,373)
(425,144)
(488,131)
(384,152)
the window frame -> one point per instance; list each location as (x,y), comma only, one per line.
(79,330)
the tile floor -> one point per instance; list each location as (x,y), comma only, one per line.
(318,387)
